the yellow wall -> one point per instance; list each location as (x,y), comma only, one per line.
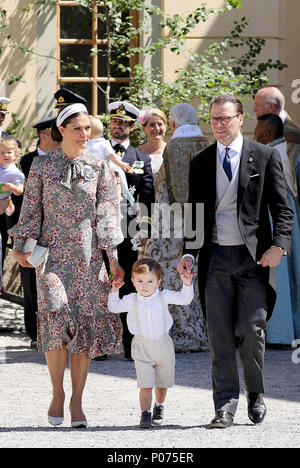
(277,21)
(23,28)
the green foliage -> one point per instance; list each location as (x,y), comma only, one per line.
(15,129)
(214,71)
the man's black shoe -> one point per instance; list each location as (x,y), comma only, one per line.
(145,422)
(256,407)
(222,420)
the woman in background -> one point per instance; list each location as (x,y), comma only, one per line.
(154,125)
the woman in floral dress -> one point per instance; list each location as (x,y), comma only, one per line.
(71,206)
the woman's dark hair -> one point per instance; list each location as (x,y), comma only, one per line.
(55,133)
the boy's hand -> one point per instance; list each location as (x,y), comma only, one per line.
(116,283)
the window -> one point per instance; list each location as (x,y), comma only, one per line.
(79,30)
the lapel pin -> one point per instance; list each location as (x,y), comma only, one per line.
(250,159)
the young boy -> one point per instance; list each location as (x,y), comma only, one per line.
(149,321)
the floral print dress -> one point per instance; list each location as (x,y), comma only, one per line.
(72,207)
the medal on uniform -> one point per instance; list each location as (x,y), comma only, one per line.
(137,167)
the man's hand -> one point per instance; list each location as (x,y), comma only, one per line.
(185,266)
(271,257)
(142,236)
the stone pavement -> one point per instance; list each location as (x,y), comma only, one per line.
(112,408)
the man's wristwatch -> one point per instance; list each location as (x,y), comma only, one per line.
(283,251)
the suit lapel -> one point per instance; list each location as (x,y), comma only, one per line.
(247,164)
(209,170)
(129,155)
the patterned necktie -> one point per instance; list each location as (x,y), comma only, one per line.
(227,164)
(119,150)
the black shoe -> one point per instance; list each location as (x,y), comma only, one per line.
(256,407)
(222,420)
(158,414)
(145,422)
(102,357)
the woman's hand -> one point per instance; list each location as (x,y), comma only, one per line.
(117,271)
(21,258)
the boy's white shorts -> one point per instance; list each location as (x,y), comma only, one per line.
(154,361)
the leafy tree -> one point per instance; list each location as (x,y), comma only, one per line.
(216,70)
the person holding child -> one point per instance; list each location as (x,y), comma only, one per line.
(149,321)
(11,178)
(102,148)
(11,181)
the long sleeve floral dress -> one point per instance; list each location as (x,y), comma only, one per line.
(72,207)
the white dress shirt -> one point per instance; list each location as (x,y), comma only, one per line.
(149,309)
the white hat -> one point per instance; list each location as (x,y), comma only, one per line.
(124,111)
(3,105)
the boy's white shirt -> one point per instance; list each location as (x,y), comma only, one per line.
(149,310)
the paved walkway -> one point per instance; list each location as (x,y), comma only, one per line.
(111,401)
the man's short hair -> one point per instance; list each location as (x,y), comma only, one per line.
(223,98)
(274,123)
(275,97)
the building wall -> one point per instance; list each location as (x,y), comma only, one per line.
(274,20)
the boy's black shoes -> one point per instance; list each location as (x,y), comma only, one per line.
(145,422)
(158,414)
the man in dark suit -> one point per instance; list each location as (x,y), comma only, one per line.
(123,116)
(239,182)
(45,144)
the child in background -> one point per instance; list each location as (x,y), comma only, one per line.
(11,181)
(149,321)
(11,178)
(102,147)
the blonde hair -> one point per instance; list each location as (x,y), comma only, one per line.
(146,265)
(96,127)
(147,112)
(11,144)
